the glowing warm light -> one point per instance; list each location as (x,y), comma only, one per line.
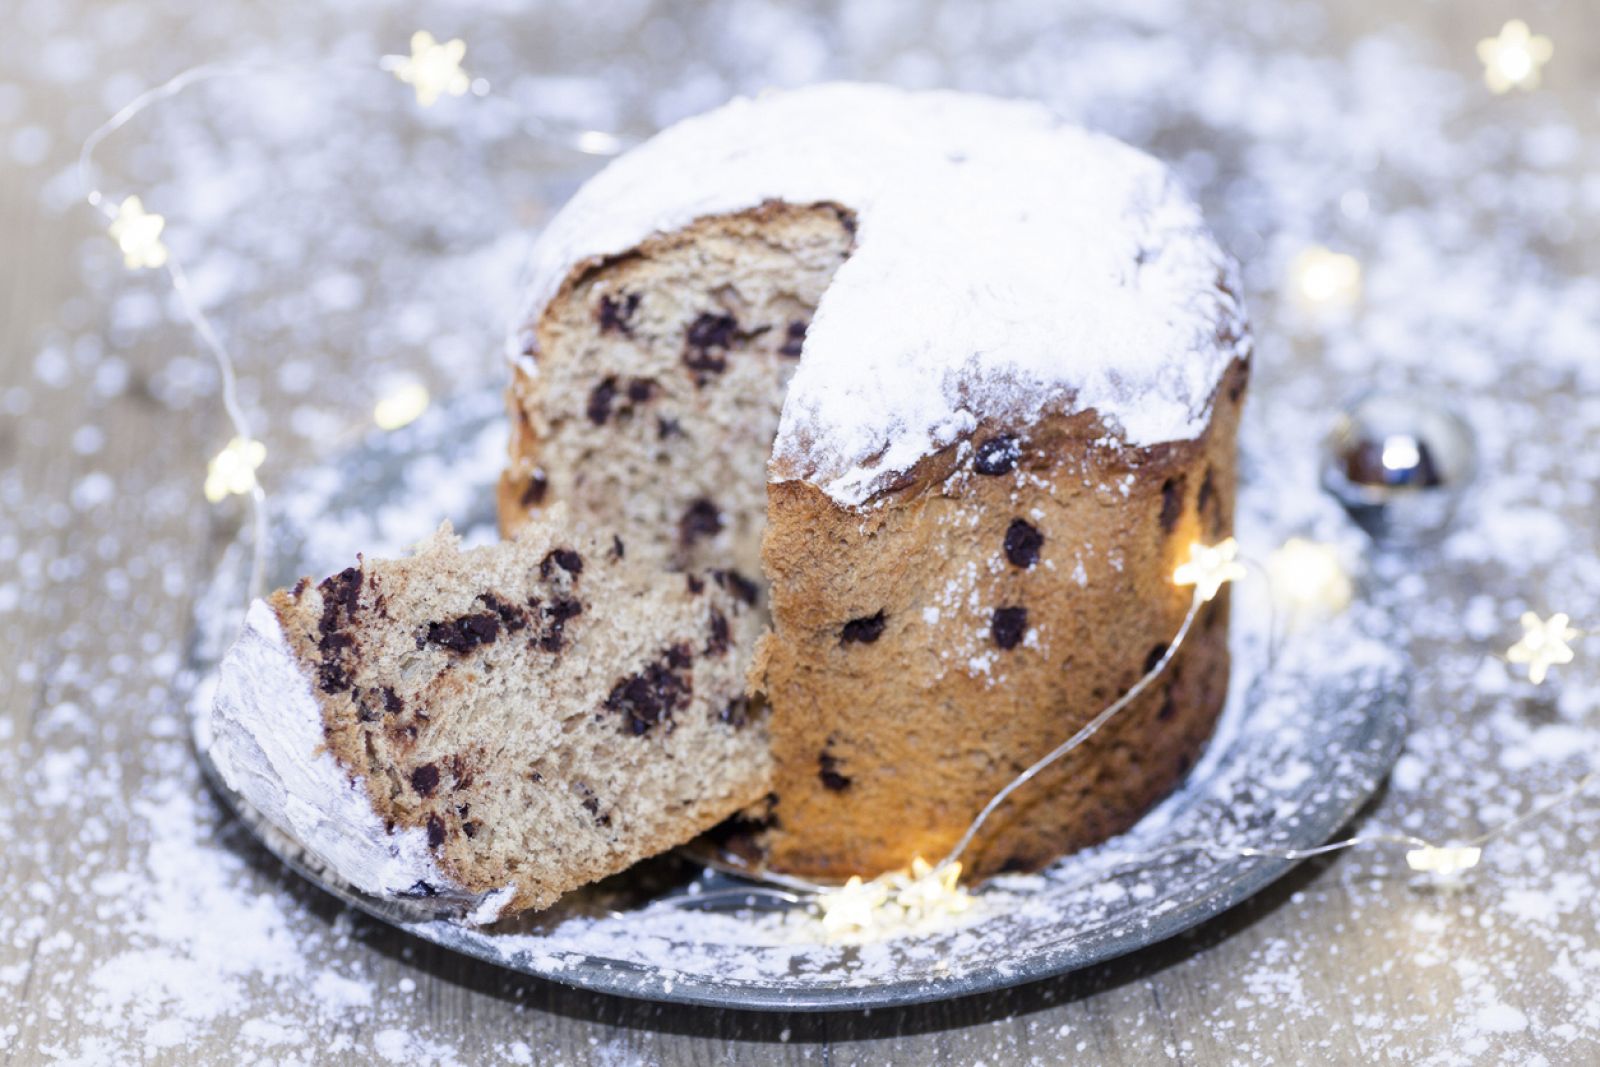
(928,890)
(233,470)
(138,234)
(1442,860)
(1308,575)
(1324,280)
(1210,567)
(1545,643)
(1514,58)
(401,407)
(432,69)
(853,907)
(899,899)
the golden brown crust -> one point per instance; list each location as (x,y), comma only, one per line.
(886,748)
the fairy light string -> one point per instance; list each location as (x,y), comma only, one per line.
(433,70)
(1306,576)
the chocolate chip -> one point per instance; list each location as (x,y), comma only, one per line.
(617,549)
(615,314)
(533,493)
(695,584)
(332,677)
(737,584)
(794,338)
(512,617)
(470,829)
(652,695)
(712,330)
(1156,653)
(717,643)
(1171,503)
(864,630)
(466,633)
(435,831)
(737,712)
(335,643)
(828,771)
(706,344)
(997,455)
(601,399)
(425,779)
(559,611)
(1022,543)
(565,558)
(666,428)
(592,805)
(700,520)
(1008,625)
(391,702)
(564,608)
(340,595)
(640,390)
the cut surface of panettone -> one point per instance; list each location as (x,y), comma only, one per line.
(489,728)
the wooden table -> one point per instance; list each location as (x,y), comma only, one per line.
(107,415)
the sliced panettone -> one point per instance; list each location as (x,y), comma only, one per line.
(491,727)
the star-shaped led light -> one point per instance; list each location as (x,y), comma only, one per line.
(233,470)
(1545,643)
(852,907)
(401,408)
(1322,280)
(1514,58)
(432,69)
(1443,860)
(138,234)
(1210,567)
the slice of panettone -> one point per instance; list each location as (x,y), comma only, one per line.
(489,728)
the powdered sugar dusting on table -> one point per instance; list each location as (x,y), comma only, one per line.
(140,922)
(1005,264)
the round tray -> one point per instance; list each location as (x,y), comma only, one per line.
(1313,724)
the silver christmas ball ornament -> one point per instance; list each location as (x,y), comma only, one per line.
(1400,464)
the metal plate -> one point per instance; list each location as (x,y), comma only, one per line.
(1313,725)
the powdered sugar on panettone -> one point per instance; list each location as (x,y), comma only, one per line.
(1005,264)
